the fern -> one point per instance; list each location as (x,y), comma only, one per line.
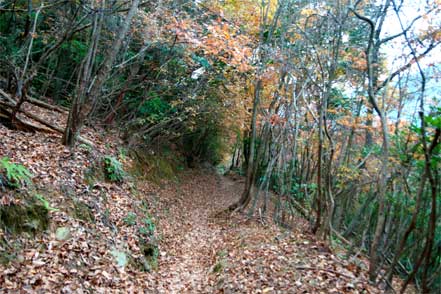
(16,174)
(45,203)
(113,169)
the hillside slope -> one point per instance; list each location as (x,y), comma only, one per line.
(199,250)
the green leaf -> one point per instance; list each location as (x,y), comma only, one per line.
(201,60)
(113,169)
(16,174)
(45,203)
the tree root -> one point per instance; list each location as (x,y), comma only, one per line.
(19,124)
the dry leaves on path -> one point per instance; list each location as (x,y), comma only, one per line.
(199,251)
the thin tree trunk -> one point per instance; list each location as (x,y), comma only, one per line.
(319,195)
(249,181)
(82,107)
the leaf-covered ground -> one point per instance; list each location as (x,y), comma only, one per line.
(200,249)
(207,252)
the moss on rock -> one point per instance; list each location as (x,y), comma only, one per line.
(31,218)
(155,167)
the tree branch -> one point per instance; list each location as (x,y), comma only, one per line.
(407,66)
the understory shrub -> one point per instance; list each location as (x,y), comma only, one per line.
(13,175)
(113,169)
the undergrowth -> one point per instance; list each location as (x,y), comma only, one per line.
(113,169)
(13,175)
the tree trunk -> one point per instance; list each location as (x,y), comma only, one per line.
(86,99)
(373,259)
(319,195)
(250,174)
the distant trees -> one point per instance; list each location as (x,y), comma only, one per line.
(377,88)
(321,135)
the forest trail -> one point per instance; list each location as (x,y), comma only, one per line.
(116,115)
(200,250)
(189,240)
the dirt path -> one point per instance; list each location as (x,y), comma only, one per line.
(190,233)
(201,253)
